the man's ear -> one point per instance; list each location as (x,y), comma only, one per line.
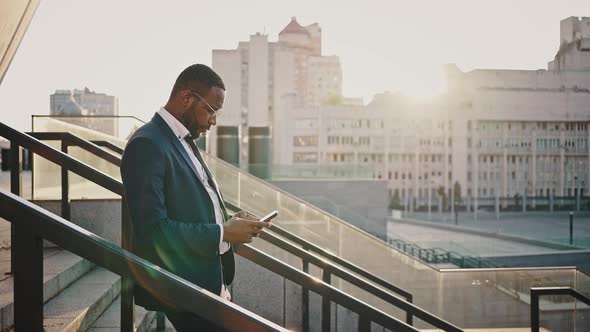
(185,97)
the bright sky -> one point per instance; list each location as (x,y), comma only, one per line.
(135,49)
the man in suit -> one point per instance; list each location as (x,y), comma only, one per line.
(179,221)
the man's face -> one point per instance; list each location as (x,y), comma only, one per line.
(198,117)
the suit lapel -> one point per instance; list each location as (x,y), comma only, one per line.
(177,145)
(212,181)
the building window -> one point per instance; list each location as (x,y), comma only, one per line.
(305,140)
(305,157)
(305,123)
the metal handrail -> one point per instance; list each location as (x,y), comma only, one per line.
(276,266)
(74,140)
(309,258)
(89,116)
(537,292)
(37,223)
(68,164)
(331,268)
(341,261)
(71,164)
(108,145)
(365,311)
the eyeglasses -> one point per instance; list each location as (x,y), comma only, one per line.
(211,110)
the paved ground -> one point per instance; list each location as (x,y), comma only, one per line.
(463,243)
(542,226)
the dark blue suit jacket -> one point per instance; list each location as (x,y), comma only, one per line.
(172,216)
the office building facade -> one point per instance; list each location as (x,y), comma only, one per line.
(495,133)
(91,105)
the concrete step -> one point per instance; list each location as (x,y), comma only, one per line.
(60,269)
(79,305)
(505,329)
(168,328)
(110,320)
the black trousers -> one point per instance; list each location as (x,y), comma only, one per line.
(189,322)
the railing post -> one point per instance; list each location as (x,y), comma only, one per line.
(65,186)
(326,312)
(28,279)
(363,324)
(534,311)
(305,301)
(16,171)
(409,315)
(571,214)
(127,307)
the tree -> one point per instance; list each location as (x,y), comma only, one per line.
(395,203)
(517,197)
(441,193)
(457,193)
(334,100)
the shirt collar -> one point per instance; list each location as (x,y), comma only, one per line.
(178,128)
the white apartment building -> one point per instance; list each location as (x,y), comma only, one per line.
(496,132)
(89,104)
(263,80)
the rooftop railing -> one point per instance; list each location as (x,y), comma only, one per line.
(460,297)
(366,312)
(31,224)
(328,267)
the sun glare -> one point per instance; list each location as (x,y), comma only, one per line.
(422,82)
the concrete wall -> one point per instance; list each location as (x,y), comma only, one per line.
(258,81)
(227,63)
(580,259)
(101,217)
(346,199)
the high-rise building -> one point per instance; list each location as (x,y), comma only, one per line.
(263,80)
(98,109)
(495,133)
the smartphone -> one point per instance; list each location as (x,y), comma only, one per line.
(269,216)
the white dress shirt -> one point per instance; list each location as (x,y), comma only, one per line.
(181,132)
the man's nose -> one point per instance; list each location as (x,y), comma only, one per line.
(213,120)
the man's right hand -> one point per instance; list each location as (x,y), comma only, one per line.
(242,228)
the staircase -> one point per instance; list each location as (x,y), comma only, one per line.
(285,308)
(77,295)
(97,216)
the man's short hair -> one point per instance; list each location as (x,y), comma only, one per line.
(199,77)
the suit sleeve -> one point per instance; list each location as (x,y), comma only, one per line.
(143,171)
